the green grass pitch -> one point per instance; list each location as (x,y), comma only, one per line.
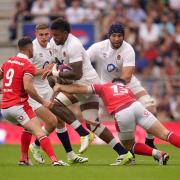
(100,156)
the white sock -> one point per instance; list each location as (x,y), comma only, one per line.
(70,154)
(113,142)
(156,153)
(75,124)
(35,146)
(62,130)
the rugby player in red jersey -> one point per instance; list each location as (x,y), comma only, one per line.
(17,75)
(128,112)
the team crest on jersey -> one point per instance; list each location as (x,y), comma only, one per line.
(118,57)
(40,54)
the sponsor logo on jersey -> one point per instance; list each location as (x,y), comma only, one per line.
(111,67)
(40,54)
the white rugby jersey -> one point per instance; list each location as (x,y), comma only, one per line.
(41,57)
(111,60)
(73,51)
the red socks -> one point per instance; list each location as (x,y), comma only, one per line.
(25,141)
(142,149)
(174,139)
(47,147)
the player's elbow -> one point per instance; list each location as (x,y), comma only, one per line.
(27,87)
(127,79)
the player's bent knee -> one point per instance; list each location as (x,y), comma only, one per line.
(90,114)
(34,128)
(147,101)
(52,123)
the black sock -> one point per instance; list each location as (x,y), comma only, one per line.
(81,131)
(120,149)
(36,142)
(150,143)
(64,138)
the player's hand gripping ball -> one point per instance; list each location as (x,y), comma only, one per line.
(64,68)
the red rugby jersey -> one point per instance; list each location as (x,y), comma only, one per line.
(114,96)
(14,69)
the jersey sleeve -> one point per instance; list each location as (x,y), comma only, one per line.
(29,68)
(129,59)
(92,52)
(97,88)
(75,52)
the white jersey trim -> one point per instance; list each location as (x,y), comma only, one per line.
(29,74)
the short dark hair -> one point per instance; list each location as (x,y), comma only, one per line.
(24,41)
(61,24)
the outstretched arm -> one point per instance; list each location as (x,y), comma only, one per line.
(73,88)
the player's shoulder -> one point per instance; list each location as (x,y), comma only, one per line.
(36,46)
(73,40)
(35,42)
(99,45)
(52,43)
(127,46)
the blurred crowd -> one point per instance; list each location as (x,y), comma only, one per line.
(152,28)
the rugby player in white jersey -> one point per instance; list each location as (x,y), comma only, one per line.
(69,50)
(117,59)
(43,55)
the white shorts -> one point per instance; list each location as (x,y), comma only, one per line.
(45,95)
(19,114)
(128,118)
(135,87)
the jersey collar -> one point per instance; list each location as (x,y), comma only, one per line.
(21,55)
